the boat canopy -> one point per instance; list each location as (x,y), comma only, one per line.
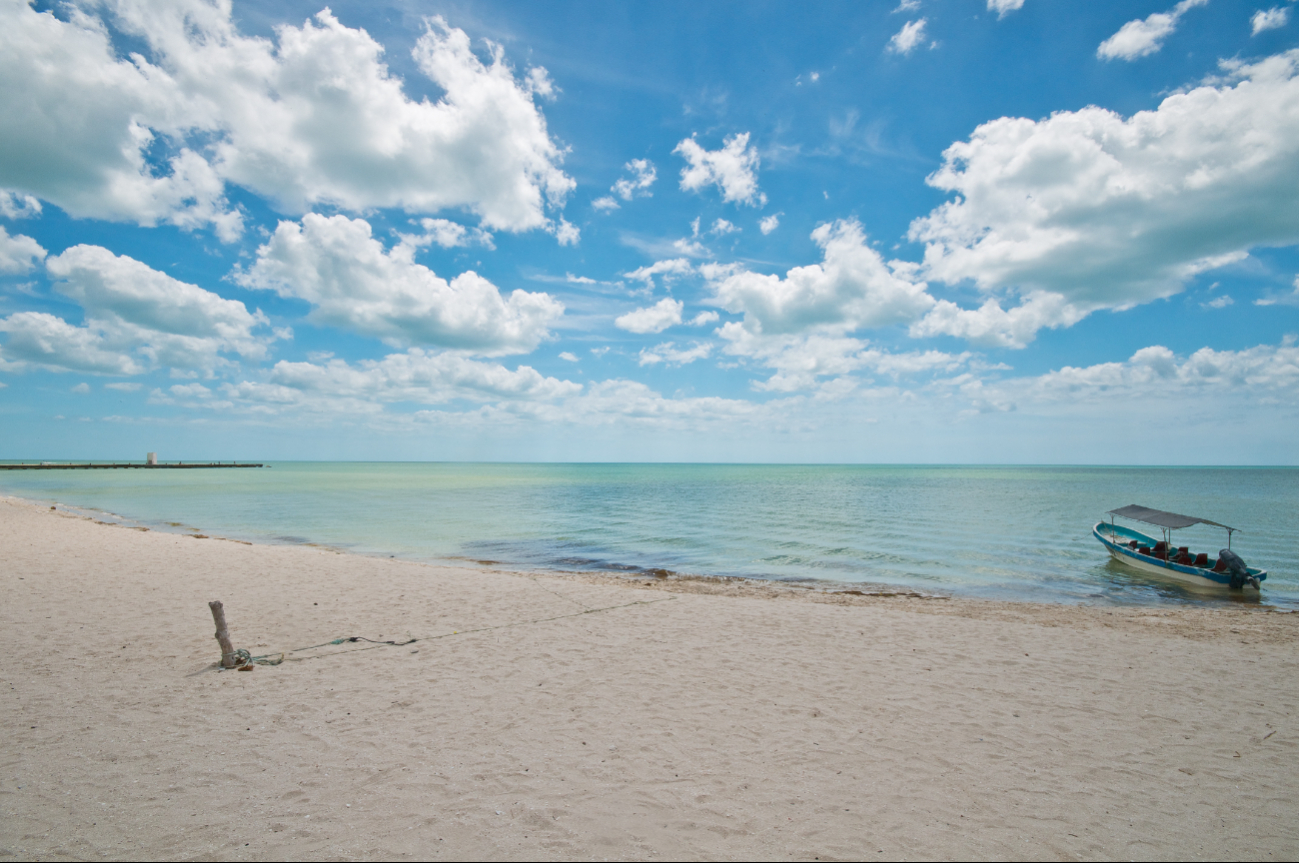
(1158,517)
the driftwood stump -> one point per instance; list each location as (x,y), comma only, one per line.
(223,634)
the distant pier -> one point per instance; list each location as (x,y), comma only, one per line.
(114,465)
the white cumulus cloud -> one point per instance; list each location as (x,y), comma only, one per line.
(800,324)
(1269,19)
(1149,383)
(353,283)
(19,253)
(448,235)
(1002,7)
(804,362)
(416,375)
(633,403)
(136,318)
(654,319)
(1263,371)
(14,206)
(692,247)
(799,360)
(1086,209)
(909,37)
(852,288)
(47,341)
(913,363)
(638,184)
(1143,36)
(190,391)
(76,122)
(993,326)
(179,324)
(733,169)
(668,270)
(770,223)
(565,232)
(311,117)
(669,354)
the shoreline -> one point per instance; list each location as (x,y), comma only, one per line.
(543,716)
(1048,612)
(690,582)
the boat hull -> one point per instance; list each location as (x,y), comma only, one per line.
(1195,576)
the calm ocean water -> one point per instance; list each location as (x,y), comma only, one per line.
(999,532)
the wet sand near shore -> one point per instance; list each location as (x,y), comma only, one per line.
(545,716)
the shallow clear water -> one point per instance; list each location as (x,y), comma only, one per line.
(999,532)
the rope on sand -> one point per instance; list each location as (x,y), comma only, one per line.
(243,657)
(355,638)
(247,659)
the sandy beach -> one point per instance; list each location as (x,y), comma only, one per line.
(575,717)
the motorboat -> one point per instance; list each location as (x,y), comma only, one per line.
(1160,557)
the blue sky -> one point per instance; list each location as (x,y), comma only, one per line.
(927,231)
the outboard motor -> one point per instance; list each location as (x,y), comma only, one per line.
(1239,574)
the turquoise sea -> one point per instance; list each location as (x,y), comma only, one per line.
(1020,533)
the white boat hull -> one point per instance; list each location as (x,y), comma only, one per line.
(1190,576)
(1169,572)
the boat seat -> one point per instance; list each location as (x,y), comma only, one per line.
(1202,559)
(1145,549)
(1219,566)
(1132,544)
(1183,549)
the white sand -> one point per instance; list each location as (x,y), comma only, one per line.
(768,723)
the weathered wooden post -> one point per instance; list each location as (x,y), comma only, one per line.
(223,634)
